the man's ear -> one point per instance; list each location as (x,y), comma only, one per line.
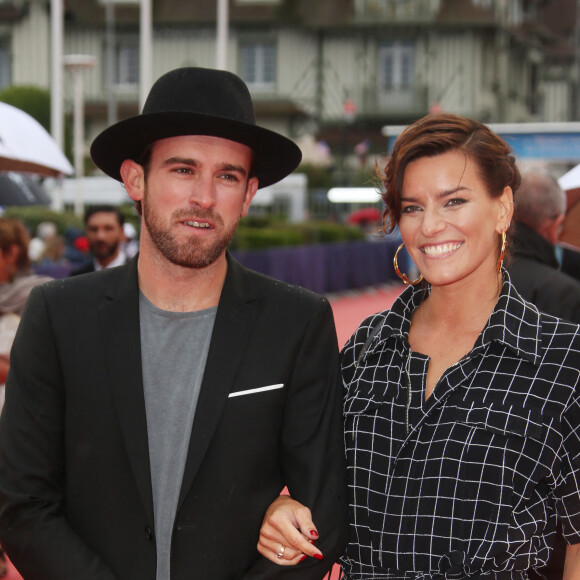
(552,229)
(251,190)
(133,179)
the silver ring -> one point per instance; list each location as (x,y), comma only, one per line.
(282,550)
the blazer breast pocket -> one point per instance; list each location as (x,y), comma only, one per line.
(257,396)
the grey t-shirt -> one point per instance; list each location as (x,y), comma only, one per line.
(174,347)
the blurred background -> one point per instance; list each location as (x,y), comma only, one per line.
(340,77)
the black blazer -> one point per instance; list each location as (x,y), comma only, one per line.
(75,487)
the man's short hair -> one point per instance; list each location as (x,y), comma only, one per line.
(104,208)
(540,199)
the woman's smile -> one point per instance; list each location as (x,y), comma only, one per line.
(441,250)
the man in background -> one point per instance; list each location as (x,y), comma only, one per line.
(105,234)
(539,213)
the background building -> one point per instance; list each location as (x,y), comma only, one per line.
(338,70)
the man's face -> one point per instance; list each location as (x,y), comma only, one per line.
(104,234)
(197,189)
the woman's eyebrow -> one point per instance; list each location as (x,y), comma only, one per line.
(448,192)
(440,195)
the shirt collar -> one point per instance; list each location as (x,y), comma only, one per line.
(118,261)
(514,322)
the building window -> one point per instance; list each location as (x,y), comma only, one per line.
(397,65)
(258,65)
(5,64)
(126,64)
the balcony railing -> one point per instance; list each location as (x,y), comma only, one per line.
(396,10)
(398,101)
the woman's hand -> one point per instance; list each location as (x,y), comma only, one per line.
(287,533)
(571,563)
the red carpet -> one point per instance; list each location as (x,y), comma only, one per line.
(12,573)
(349,310)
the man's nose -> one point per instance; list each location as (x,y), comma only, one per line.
(203,192)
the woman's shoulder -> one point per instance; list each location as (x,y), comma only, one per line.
(378,327)
(557,334)
(365,336)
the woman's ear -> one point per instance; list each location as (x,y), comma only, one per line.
(506,209)
(133,179)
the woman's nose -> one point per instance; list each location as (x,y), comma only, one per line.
(432,222)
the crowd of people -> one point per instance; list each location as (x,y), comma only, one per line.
(158,403)
(107,241)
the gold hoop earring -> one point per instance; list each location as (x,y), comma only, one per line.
(400,274)
(502,251)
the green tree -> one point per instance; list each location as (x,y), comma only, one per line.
(32,100)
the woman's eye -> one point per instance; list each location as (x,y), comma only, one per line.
(410,208)
(456,201)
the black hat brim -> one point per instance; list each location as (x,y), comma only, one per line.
(275,156)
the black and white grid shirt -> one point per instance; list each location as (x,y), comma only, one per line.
(467,483)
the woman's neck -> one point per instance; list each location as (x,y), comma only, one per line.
(465,304)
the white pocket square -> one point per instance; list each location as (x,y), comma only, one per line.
(258,390)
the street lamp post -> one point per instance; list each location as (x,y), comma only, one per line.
(222,34)
(76,63)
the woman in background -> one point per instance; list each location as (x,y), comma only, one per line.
(461,404)
(16,282)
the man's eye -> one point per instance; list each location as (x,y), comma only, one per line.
(183,170)
(229,177)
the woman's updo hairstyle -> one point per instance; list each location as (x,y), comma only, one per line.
(439,133)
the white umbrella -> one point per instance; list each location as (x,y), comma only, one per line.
(571,179)
(27,147)
(570,183)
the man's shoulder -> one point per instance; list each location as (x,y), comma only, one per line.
(278,290)
(85,284)
(552,291)
(541,274)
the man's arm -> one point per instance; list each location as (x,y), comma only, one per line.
(33,529)
(312,448)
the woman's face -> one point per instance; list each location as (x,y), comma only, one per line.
(449,222)
(8,261)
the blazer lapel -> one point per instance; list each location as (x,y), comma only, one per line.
(119,316)
(236,313)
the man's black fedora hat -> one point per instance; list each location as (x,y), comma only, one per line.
(197,101)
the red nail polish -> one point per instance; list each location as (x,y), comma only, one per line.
(302,559)
(318,556)
(314,533)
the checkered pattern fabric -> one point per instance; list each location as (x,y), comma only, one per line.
(469,483)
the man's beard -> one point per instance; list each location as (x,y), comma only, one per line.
(104,250)
(195,253)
